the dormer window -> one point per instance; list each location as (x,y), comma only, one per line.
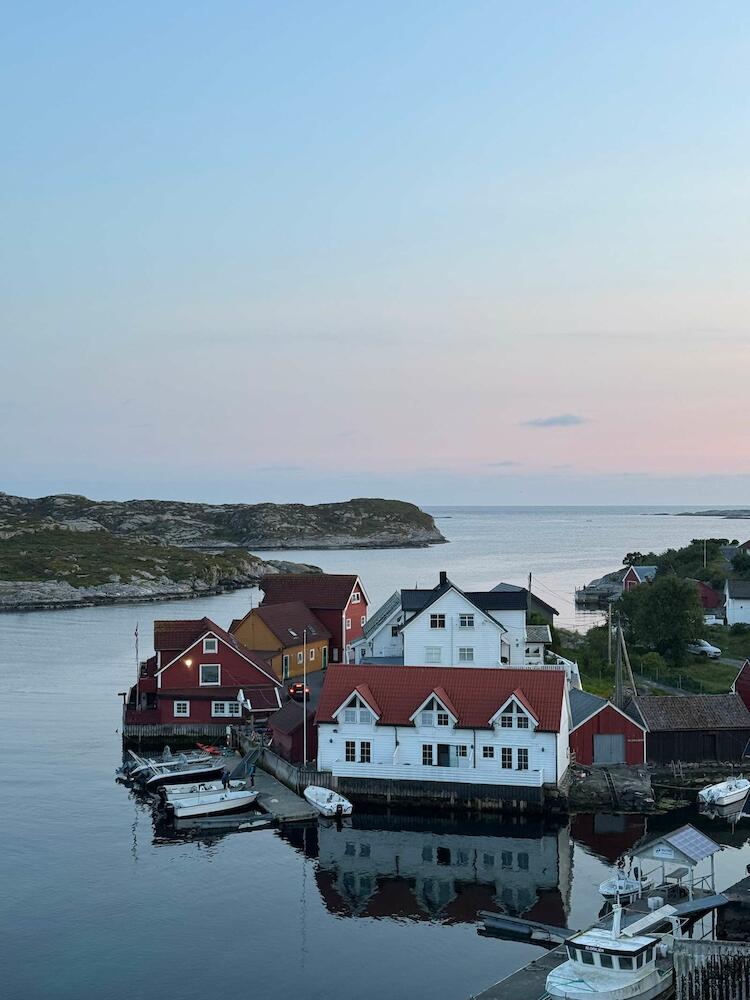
(433,714)
(210,645)
(357,712)
(514,717)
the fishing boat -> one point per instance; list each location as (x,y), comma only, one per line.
(622,887)
(603,962)
(212,804)
(196,787)
(725,793)
(184,773)
(328,803)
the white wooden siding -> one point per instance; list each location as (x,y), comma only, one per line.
(484,637)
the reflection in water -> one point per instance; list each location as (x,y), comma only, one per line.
(607,835)
(409,868)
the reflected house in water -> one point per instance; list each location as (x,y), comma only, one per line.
(427,874)
(607,835)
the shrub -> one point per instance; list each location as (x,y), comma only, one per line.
(653,663)
(740,628)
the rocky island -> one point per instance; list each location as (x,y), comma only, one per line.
(66,550)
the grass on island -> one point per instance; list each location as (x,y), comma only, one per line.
(92,558)
(697,675)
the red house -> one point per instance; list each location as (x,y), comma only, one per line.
(600,733)
(201,676)
(337,599)
(288,731)
(741,684)
(636,575)
(710,599)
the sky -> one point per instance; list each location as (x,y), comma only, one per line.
(490,253)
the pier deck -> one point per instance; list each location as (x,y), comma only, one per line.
(280,802)
(529,983)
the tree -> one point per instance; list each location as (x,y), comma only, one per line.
(633,559)
(665,615)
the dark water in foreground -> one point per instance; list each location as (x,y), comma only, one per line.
(93,907)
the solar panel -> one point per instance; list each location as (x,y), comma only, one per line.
(693,843)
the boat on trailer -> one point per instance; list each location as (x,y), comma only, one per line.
(725,793)
(604,962)
(328,803)
(212,804)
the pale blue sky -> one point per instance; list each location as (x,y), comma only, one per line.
(467,252)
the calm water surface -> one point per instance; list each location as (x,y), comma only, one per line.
(94,905)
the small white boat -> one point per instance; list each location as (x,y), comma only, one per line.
(622,887)
(603,963)
(725,793)
(177,791)
(212,804)
(328,803)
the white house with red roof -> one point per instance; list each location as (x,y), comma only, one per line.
(503,729)
(201,677)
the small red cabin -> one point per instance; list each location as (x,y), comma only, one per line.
(600,733)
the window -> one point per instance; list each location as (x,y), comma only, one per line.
(465,654)
(523,759)
(209,674)
(218,708)
(462,858)
(572,952)
(394,631)
(355,597)
(350,850)
(348,623)
(427,758)
(284,668)
(222,709)
(488,753)
(181,708)
(350,715)
(210,645)
(234,708)
(350,751)
(362,620)
(301,657)
(364,850)
(587,958)
(427,719)
(626,962)
(506,860)
(443,855)
(462,751)
(649,954)
(312,654)
(144,670)
(443,719)
(506,721)
(437,621)
(488,860)
(506,757)
(427,854)
(365,717)
(523,861)
(522,721)
(364,752)
(606,961)
(466,621)
(639,961)
(432,654)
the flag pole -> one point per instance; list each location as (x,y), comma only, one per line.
(304,697)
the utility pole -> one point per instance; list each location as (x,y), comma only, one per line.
(304,697)
(705,541)
(609,635)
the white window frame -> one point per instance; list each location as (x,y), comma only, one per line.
(363,620)
(312,653)
(433,654)
(431,755)
(350,716)
(233,709)
(465,654)
(230,709)
(356,597)
(301,656)
(468,622)
(350,746)
(285,667)
(216,683)
(181,715)
(348,623)
(488,753)
(525,752)
(442,718)
(506,753)
(437,620)
(462,750)
(394,631)
(215,709)
(362,745)
(427,718)
(211,645)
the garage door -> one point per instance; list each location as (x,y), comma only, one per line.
(609,749)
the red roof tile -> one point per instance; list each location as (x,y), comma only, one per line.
(179,634)
(325,591)
(475,693)
(288,622)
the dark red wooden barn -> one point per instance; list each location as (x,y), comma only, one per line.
(600,733)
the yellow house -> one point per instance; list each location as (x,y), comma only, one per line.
(288,635)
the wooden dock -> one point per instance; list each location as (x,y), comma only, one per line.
(529,983)
(281,802)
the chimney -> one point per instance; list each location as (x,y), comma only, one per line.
(443,578)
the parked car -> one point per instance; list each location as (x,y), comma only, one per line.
(704,648)
(298,691)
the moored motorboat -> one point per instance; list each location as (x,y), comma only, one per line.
(179,790)
(603,963)
(622,887)
(183,773)
(212,804)
(328,803)
(725,793)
